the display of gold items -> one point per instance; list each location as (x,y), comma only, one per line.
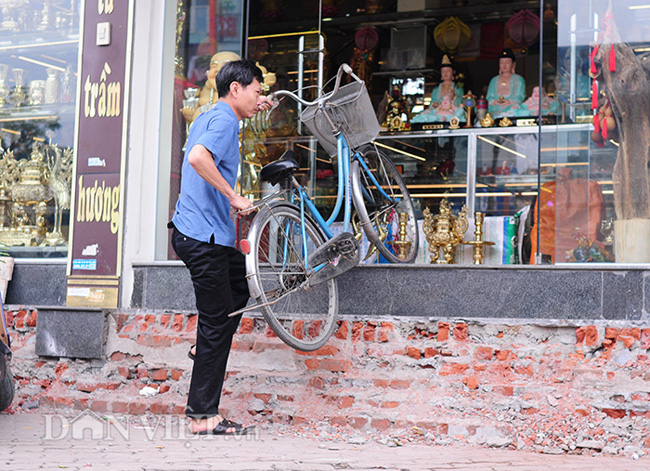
(444,232)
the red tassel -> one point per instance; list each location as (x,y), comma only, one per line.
(596,124)
(603,127)
(594,70)
(612,59)
(594,95)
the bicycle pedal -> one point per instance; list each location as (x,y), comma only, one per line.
(343,244)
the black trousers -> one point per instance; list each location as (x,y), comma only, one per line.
(219,279)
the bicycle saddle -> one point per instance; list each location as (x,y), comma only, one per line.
(280,170)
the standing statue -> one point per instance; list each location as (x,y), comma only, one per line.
(60,166)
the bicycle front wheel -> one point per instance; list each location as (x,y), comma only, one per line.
(303,316)
(384,206)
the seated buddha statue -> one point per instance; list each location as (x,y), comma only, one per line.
(530,107)
(447,87)
(506,89)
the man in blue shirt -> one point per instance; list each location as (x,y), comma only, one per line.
(204,237)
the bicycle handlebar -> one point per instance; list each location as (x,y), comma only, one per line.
(344,68)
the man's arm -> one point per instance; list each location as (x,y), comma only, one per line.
(201,160)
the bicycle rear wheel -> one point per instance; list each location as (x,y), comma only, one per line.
(303,316)
(384,206)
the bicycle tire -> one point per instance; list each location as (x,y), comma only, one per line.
(305,318)
(379,216)
(6,387)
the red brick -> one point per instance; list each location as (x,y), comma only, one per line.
(581,332)
(338,421)
(645,339)
(480,367)
(326,350)
(164,320)
(381,383)
(333,365)
(430,352)
(159,407)
(178,409)
(298,329)
(502,355)
(246,325)
(164,388)
(500,335)
(177,374)
(177,325)
(413,352)
(449,369)
(346,402)
(142,373)
(312,363)
(191,323)
(342,332)
(118,356)
(120,407)
(400,384)
(611,333)
(99,406)
(644,414)
(530,411)
(369,332)
(385,331)
(30,320)
(615,413)
(591,337)
(286,398)
(265,397)
(443,331)
(380,424)
(19,323)
(461,331)
(316,383)
(357,330)
(503,390)
(269,332)
(483,353)
(582,412)
(389,404)
(471,382)
(313,329)
(137,407)
(627,340)
(357,422)
(160,374)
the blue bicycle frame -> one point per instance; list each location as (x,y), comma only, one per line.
(343,198)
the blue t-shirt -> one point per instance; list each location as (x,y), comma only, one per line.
(201,210)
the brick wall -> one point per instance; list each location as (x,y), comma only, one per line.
(546,387)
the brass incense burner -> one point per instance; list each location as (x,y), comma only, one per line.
(444,232)
(31,192)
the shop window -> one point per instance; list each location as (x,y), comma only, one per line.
(38,67)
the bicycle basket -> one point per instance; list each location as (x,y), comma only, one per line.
(351,112)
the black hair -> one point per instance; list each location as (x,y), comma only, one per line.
(242,71)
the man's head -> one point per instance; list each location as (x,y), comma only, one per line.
(242,71)
(239,84)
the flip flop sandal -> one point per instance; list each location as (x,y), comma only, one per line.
(190,355)
(223,427)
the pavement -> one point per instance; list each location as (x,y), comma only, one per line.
(85,441)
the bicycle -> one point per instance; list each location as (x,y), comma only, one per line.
(292,255)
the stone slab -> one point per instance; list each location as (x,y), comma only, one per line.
(72,333)
(38,284)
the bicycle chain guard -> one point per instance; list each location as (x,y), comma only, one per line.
(340,254)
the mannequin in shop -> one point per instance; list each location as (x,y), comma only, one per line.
(437,111)
(506,89)
(208,95)
(530,107)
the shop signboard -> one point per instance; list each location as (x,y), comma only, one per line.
(94,258)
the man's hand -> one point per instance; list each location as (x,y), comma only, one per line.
(240,204)
(265,103)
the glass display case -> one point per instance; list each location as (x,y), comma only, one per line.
(38,83)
